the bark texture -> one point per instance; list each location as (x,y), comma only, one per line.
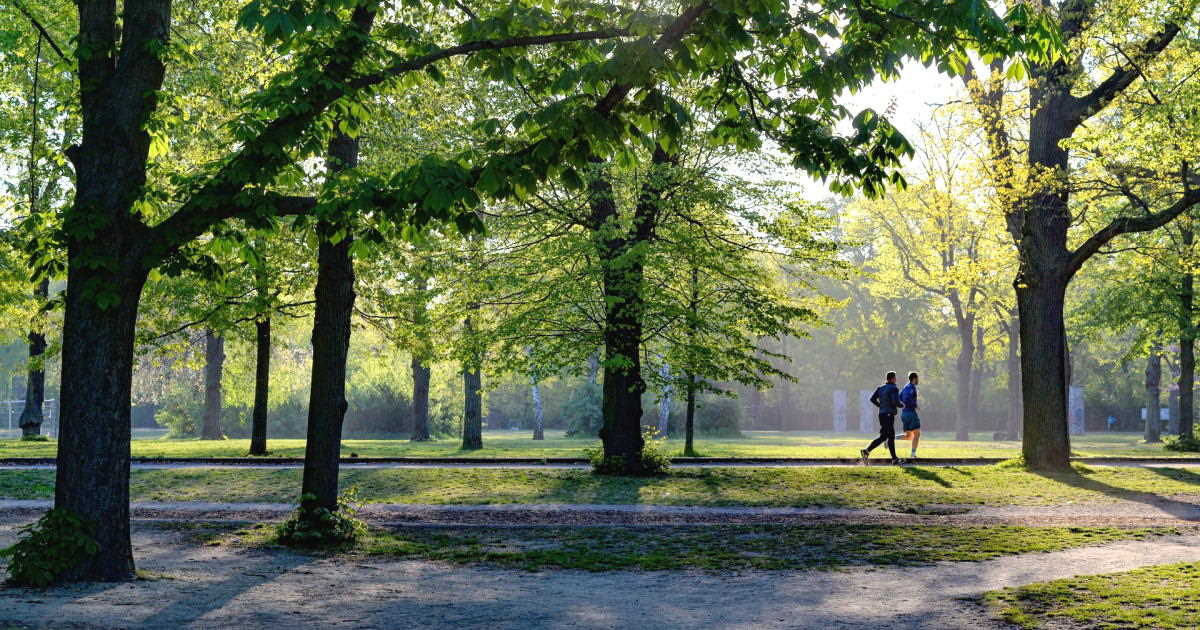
(1153,394)
(331,344)
(1013,428)
(1187,341)
(262,386)
(214,366)
(420,376)
(472,432)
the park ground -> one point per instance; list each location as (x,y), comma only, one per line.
(983,546)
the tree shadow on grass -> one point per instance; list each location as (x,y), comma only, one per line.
(1176,508)
(928,474)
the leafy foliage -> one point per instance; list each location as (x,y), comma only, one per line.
(321,528)
(655,459)
(48,548)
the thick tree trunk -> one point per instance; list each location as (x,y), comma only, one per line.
(262,386)
(472,432)
(331,344)
(689,422)
(1046,444)
(1013,430)
(1153,394)
(964,366)
(1187,342)
(420,376)
(92,480)
(214,365)
(35,383)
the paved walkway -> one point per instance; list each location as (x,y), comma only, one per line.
(215,587)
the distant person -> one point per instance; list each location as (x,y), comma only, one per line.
(887,398)
(1112,422)
(909,418)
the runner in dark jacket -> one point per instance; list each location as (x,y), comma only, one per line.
(887,398)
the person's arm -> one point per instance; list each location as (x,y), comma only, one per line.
(875,397)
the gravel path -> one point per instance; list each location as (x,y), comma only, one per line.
(1151,511)
(217,587)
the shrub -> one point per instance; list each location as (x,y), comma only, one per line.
(655,460)
(47,549)
(37,437)
(321,528)
(719,416)
(1185,443)
(583,412)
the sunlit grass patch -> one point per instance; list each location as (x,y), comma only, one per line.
(1165,597)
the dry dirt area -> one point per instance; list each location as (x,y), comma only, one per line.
(196,586)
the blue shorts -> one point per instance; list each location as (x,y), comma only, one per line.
(910,420)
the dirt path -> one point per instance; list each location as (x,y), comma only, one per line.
(524,463)
(1150,511)
(216,587)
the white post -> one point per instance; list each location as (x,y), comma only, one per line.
(1075,417)
(839,411)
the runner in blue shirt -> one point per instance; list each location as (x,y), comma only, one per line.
(908,417)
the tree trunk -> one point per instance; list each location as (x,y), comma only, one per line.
(420,376)
(1013,431)
(92,480)
(1046,444)
(1187,341)
(664,405)
(35,383)
(1153,393)
(214,365)
(262,385)
(331,344)
(964,366)
(472,434)
(539,418)
(621,256)
(689,423)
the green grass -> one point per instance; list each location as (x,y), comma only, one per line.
(512,444)
(876,486)
(713,548)
(1165,597)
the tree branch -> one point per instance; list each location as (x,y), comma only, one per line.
(1085,106)
(1127,225)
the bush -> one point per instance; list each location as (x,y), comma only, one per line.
(320,528)
(719,416)
(37,437)
(1184,443)
(655,460)
(47,549)
(583,412)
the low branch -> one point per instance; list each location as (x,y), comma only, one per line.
(1129,225)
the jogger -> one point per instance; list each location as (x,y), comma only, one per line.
(909,418)
(887,398)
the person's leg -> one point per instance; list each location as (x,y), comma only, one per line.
(888,432)
(916,440)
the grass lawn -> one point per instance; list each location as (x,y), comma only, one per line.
(1165,597)
(513,444)
(718,547)
(876,486)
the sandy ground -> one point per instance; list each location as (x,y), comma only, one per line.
(218,587)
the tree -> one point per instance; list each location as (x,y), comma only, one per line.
(1113,39)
